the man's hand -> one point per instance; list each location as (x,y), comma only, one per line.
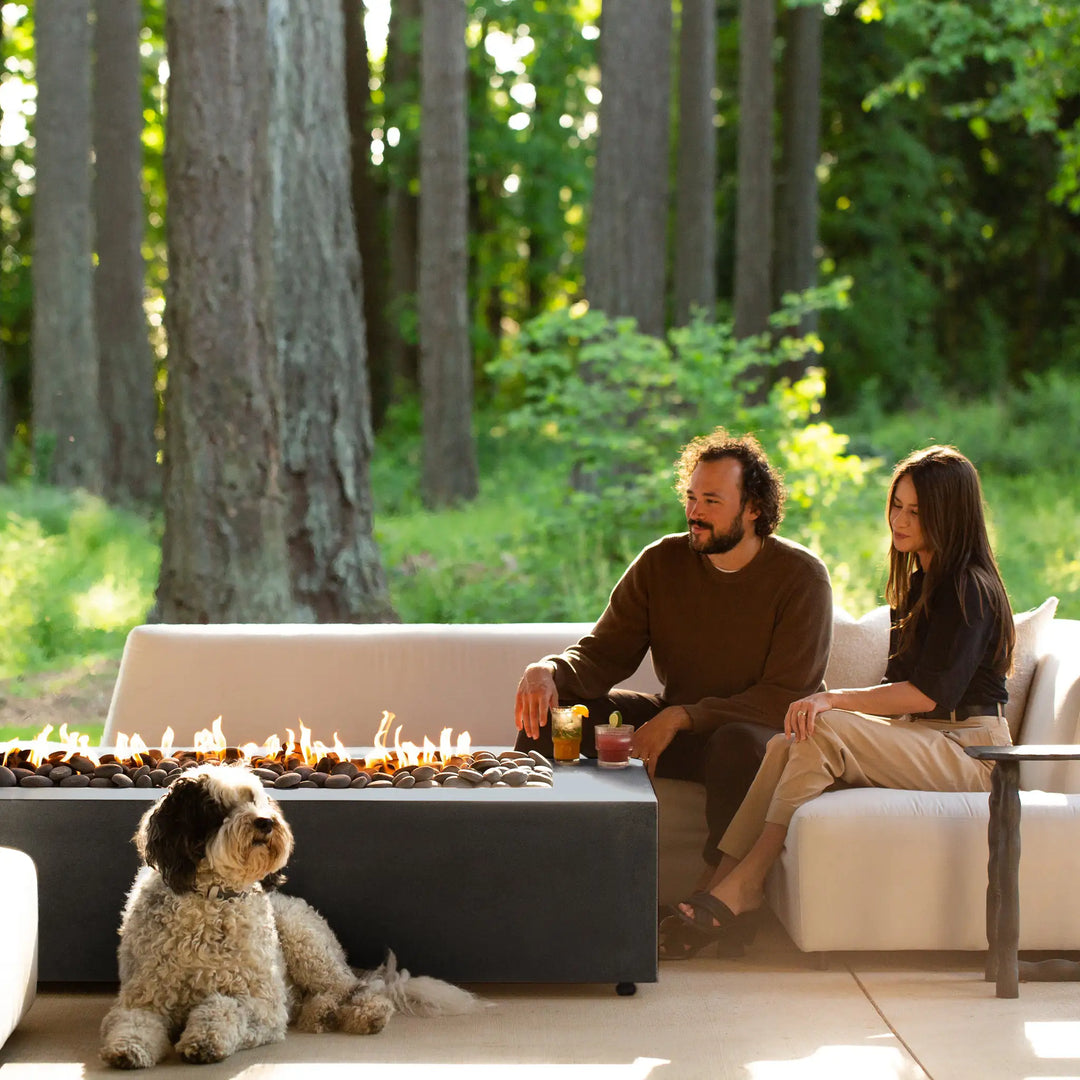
(654,736)
(536,693)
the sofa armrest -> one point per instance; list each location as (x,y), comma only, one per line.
(19,915)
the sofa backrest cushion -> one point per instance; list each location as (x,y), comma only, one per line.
(860,649)
(1031,634)
(264,679)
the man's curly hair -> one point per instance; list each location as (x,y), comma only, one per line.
(762,485)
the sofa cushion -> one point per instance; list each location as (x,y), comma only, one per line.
(1030,631)
(860,649)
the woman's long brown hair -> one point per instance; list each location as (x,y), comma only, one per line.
(954,528)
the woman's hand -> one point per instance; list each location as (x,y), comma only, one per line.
(802,714)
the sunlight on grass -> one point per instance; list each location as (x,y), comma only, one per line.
(109,604)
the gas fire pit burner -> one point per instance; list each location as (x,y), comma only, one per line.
(296,764)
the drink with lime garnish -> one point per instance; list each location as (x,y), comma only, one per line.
(614,741)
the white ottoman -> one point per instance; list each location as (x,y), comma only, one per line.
(19,917)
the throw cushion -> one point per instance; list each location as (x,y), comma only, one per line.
(1030,626)
(860,649)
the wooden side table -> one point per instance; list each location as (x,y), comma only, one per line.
(1003,885)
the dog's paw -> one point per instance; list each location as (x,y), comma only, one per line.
(319,1014)
(128,1054)
(364,1012)
(202,1046)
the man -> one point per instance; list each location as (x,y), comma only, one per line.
(739,622)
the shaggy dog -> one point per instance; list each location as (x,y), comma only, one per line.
(211,961)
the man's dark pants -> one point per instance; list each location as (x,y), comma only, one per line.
(724,761)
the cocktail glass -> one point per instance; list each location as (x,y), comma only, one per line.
(566,732)
(613,745)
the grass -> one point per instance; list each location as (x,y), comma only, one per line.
(76,575)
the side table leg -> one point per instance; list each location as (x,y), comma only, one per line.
(993,884)
(1008,876)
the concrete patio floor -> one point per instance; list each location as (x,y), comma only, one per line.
(772,1015)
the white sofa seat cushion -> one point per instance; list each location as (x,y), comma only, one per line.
(907,870)
(19,918)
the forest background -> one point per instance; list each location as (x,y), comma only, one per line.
(526,359)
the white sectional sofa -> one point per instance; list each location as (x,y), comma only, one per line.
(863,869)
(19,918)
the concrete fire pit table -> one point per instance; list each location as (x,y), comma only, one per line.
(486,885)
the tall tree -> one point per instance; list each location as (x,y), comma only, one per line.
(66,419)
(369,212)
(797,189)
(754,213)
(224,556)
(401,91)
(126,384)
(695,176)
(446,376)
(335,568)
(625,255)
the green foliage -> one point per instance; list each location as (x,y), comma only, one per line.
(1028,51)
(942,222)
(622,404)
(532,547)
(75,576)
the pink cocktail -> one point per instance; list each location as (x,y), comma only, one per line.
(613,745)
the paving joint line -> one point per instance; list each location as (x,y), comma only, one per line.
(888,1023)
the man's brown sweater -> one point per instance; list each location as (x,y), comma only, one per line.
(726,646)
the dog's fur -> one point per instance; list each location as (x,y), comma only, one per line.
(213,960)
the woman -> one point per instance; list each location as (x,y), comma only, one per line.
(950,648)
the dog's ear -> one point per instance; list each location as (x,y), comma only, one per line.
(274,880)
(173,833)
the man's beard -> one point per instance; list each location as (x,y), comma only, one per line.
(718,543)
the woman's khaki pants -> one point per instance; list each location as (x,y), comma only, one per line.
(862,751)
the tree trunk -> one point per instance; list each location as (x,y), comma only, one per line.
(754,219)
(446,377)
(403,83)
(335,568)
(128,399)
(224,555)
(695,214)
(66,417)
(625,254)
(796,239)
(369,213)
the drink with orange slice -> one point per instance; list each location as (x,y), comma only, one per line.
(566,732)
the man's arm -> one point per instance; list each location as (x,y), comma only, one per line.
(609,653)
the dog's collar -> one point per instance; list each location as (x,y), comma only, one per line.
(220,892)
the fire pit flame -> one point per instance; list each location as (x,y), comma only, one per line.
(298,762)
(212,743)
